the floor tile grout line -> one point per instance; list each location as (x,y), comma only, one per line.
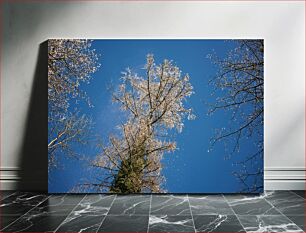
(283,214)
(226,201)
(64,198)
(149,212)
(106,213)
(234,213)
(25,213)
(69,213)
(191,214)
(297,194)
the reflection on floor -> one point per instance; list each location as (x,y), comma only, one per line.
(279,211)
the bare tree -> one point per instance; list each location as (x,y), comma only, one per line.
(153,105)
(63,133)
(240,82)
(70,63)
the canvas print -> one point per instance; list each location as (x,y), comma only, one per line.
(155,116)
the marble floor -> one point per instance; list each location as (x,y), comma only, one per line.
(274,211)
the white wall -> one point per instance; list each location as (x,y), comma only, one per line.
(26,25)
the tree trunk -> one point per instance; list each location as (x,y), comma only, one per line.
(130,175)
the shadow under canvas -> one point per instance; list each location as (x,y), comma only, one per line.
(34,161)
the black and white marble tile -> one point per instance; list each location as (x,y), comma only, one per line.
(286,202)
(95,204)
(266,223)
(7,220)
(131,204)
(209,205)
(66,199)
(300,193)
(127,223)
(250,205)
(170,205)
(81,222)
(58,205)
(299,220)
(21,202)
(33,212)
(217,223)
(35,223)
(5,194)
(88,215)
(164,223)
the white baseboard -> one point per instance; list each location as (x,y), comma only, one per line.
(275,178)
(284,184)
(284,178)
(10,179)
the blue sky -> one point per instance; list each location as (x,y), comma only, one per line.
(190,169)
